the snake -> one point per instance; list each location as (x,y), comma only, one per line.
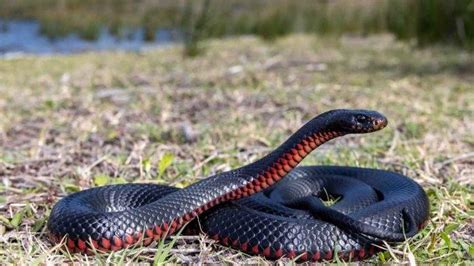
(269,207)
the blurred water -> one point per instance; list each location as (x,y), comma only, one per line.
(23,36)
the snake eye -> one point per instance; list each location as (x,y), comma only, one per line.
(361,119)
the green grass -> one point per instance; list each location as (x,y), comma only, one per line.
(73,122)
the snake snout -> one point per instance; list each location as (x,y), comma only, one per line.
(379,122)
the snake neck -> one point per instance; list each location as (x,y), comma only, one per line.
(288,155)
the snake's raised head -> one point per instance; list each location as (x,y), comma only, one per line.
(356,121)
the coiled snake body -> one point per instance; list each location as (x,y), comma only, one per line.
(250,209)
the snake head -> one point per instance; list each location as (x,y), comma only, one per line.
(356,121)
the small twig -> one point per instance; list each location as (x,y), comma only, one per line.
(439,257)
(393,145)
(208,159)
(454,159)
(186,250)
(196,237)
(97,162)
(393,163)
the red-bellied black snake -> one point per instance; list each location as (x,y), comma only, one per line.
(269,207)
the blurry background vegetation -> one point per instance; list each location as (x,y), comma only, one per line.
(427,21)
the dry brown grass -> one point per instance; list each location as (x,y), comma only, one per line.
(71,122)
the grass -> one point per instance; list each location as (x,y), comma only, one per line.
(73,122)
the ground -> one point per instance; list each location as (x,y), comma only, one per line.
(71,122)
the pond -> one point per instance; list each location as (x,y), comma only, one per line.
(24,37)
